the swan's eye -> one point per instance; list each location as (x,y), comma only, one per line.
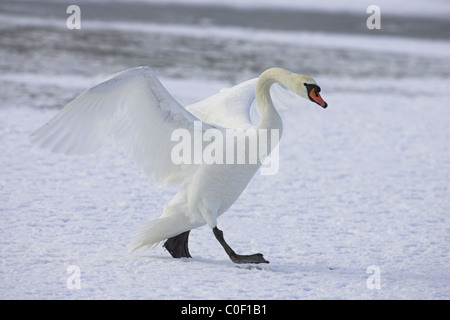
(309,86)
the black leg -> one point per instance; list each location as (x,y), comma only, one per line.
(237,258)
(178,245)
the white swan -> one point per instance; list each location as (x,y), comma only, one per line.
(133,107)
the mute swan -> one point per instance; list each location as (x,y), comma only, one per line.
(134,107)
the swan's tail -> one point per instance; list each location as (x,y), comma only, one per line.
(155,231)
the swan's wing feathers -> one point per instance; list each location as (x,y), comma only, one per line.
(230,108)
(134,108)
(80,128)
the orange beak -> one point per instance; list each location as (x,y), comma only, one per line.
(315,96)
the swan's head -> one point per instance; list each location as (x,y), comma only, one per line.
(307,88)
(302,85)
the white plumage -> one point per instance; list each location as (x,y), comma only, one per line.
(136,110)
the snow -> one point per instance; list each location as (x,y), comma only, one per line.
(362,183)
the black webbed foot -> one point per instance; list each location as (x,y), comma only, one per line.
(178,245)
(238,258)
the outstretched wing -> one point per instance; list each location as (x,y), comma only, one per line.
(133,107)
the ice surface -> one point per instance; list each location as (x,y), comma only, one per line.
(362,183)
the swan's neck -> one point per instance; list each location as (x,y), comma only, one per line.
(269,117)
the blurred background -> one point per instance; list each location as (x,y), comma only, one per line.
(230,41)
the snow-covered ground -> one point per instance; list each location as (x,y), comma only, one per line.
(362,183)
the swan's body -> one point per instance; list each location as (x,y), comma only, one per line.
(134,108)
